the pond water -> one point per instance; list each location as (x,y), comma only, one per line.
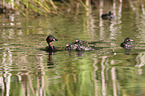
(27,70)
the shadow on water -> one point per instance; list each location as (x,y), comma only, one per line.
(50,60)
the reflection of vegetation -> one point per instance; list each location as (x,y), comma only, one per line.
(37,7)
(43,7)
(70,75)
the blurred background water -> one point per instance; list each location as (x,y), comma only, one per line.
(27,70)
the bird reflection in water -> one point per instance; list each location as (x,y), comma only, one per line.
(78,53)
(50,63)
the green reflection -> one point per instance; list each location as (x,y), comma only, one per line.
(107,71)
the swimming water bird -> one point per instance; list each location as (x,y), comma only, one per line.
(70,46)
(108,16)
(80,42)
(49,40)
(127,44)
(79,45)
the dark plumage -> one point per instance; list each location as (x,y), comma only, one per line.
(79,46)
(49,40)
(70,46)
(108,16)
(80,42)
(127,44)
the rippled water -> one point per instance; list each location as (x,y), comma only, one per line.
(27,70)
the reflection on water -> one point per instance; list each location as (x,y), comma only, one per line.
(108,71)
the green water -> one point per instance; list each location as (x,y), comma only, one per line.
(27,70)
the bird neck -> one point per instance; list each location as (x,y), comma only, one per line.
(50,44)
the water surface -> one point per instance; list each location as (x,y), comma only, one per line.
(27,70)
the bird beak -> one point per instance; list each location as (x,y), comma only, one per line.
(55,39)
